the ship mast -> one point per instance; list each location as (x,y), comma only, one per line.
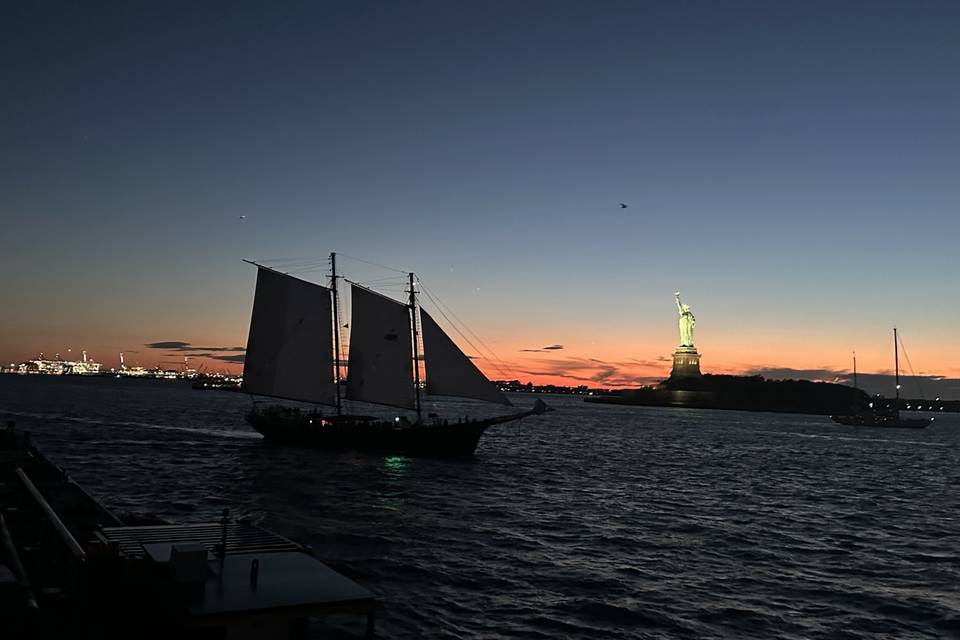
(855,370)
(896,366)
(416,345)
(336,330)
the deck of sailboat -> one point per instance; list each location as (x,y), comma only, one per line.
(434,437)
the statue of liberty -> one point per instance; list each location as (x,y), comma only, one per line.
(687,321)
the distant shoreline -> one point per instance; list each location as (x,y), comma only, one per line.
(754,393)
(644,396)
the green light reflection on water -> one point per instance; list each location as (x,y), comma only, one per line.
(396,465)
(395,470)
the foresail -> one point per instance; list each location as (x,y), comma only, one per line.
(380,367)
(289,349)
(449,371)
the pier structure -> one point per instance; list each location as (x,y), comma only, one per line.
(69,568)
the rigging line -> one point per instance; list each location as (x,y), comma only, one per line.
(393,280)
(494,361)
(372,263)
(506,368)
(380,286)
(312,263)
(296,268)
(300,259)
(304,263)
(292,264)
(387,278)
(465,338)
(299,265)
(305,267)
(906,357)
(491,356)
(311,269)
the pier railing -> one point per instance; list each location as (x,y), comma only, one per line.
(62,532)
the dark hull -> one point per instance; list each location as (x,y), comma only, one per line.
(348,433)
(885,422)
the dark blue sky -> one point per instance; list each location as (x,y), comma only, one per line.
(791,166)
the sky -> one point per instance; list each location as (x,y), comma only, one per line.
(790,167)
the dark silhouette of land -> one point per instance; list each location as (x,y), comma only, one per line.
(746,393)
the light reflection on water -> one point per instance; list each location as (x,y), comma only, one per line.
(395,465)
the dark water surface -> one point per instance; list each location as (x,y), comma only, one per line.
(594,521)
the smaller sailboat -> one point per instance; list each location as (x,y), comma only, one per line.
(293,353)
(886,416)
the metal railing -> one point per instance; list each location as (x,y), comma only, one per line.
(53,518)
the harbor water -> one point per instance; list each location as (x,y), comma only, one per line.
(593,521)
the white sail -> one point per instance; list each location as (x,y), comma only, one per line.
(290,343)
(381,353)
(449,371)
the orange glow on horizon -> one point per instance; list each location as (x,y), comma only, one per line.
(603,361)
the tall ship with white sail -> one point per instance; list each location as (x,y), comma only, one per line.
(293,353)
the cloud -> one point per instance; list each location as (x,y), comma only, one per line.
(232,358)
(549,347)
(593,371)
(632,372)
(179,345)
(238,357)
(184,348)
(604,374)
(173,344)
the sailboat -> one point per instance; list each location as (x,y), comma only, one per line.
(293,353)
(887,416)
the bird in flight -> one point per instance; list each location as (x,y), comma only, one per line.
(623,206)
(242,217)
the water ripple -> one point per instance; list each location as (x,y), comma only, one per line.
(608,522)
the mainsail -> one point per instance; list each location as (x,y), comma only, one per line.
(381,353)
(289,347)
(449,371)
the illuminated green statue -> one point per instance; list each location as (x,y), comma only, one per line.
(687,321)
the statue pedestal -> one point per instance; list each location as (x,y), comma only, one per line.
(686,363)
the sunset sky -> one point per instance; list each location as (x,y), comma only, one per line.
(790,167)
